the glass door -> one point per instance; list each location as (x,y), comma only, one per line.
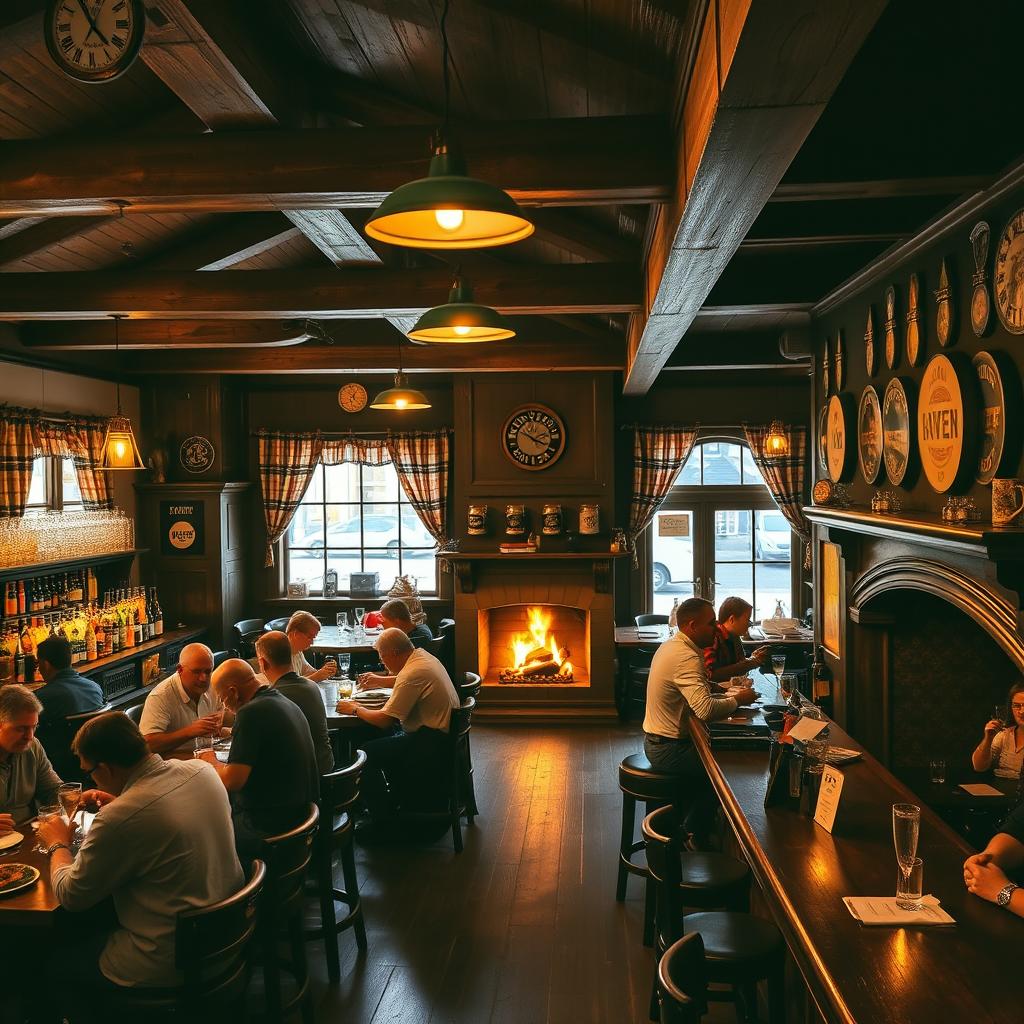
(673,577)
(751,558)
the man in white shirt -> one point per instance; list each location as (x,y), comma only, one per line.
(421,703)
(302,630)
(162,843)
(181,707)
(677,687)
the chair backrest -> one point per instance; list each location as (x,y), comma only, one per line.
(287,856)
(77,721)
(277,623)
(446,630)
(659,829)
(135,713)
(436,646)
(683,981)
(444,624)
(458,739)
(249,625)
(471,686)
(651,620)
(339,790)
(219,657)
(211,943)
(247,632)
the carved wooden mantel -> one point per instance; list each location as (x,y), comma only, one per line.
(464,565)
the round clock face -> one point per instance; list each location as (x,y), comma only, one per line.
(94,40)
(533,437)
(352,397)
(1009,275)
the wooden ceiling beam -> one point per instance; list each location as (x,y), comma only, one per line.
(889,188)
(794,242)
(559,162)
(86,335)
(231,240)
(575,235)
(40,234)
(347,292)
(762,73)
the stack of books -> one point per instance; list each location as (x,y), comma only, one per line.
(518,547)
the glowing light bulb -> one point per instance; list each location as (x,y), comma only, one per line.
(400,403)
(119,449)
(449,220)
(461,330)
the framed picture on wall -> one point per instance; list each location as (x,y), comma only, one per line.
(830,598)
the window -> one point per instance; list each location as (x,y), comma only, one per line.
(54,485)
(720,534)
(356,518)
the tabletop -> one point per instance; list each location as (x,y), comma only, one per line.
(333,640)
(651,636)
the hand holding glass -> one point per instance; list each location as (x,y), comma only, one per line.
(70,796)
(45,813)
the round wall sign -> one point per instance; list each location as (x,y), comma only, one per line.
(197,454)
(896,417)
(840,419)
(946,413)
(1009,274)
(182,535)
(823,438)
(992,416)
(869,435)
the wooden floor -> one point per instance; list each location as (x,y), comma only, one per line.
(521,927)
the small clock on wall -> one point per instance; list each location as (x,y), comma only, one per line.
(533,437)
(352,397)
(94,40)
(1009,274)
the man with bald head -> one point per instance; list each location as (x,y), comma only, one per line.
(181,708)
(271,771)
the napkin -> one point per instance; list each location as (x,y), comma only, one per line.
(875,910)
(980,789)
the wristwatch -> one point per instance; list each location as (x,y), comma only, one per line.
(1003,899)
(64,846)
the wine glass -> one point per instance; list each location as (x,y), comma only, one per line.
(342,621)
(359,613)
(778,664)
(999,714)
(906,824)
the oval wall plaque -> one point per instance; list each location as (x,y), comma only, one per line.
(945,310)
(896,416)
(840,362)
(823,438)
(870,363)
(892,355)
(945,422)
(839,434)
(992,415)
(915,332)
(869,435)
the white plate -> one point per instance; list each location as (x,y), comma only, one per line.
(21,885)
(9,840)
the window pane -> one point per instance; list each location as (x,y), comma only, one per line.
(732,535)
(306,566)
(721,463)
(422,566)
(344,563)
(37,487)
(414,534)
(383,561)
(69,483)
(672,558)
(774,536)
(342,482)
(315,490)
(772,586)
(751,474)
(380,527)
(380,483)
(343,526)
(733,579)
(307,528)
(690,473)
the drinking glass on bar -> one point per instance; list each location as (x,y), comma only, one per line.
(778,664)
(45,813)
(70,796)
(342,621)
(906,824)
(203,743)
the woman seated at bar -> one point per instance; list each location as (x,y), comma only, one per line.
(985,874)
(1003,746)
(27,779)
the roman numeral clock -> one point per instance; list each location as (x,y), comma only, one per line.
(533,437)
(94,40)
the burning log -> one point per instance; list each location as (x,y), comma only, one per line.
(540,668)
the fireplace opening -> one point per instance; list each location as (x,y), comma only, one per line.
(535,645)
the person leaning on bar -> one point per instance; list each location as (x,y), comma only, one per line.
(677,687)
(27,779)
(985,874)
(724,657)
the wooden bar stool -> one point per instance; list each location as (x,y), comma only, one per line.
(739,949)
(683,981)
(639,781)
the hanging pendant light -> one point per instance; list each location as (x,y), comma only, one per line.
(447,209)
(776,441)
(401,397)
(461,321)
(119,448)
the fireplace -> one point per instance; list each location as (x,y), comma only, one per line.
(531,645)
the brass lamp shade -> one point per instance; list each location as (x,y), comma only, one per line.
(448,210)
(119,448)
(461,321)
(776,442)
(400,397)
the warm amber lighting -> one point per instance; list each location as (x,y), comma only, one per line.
(462,330)
(119,448)
(449,220)
(523,645)
(400,397)
(776,443)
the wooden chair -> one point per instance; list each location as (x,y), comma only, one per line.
(211,949)
(278,624)
(682,981)
(60,737)
(338,793)
(135,713)
(281,914)
(650,620)
(219,657)
(436,646)
(446,629)
(247,632)
(467,689)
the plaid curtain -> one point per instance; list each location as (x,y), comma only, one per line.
(364,451)
(18,445)
(84,441)
(286,462)
(659,453)
(785,479)
(421,460)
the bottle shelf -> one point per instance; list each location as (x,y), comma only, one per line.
(24,572)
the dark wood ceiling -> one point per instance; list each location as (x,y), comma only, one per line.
(579,107)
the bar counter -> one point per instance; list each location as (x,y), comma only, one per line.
(856,973)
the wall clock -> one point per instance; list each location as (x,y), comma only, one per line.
(1009,275)
(94,40)
(981,307)
(915,329)
(840,362)
(533,437)
(945,311)
(352,397)
(869,435)
(870,360)
(896,419)
(891,354)
(946,418)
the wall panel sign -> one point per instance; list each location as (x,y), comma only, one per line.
(869,435)
(197,454)
(892,354)
(1009,274)
(870,362)
(840,435)
(915,330)
(992,416)
(830,598)
(946,416)
(896,419)
(945,310)
(674,525)
(181,528)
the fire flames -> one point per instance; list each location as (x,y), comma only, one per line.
(536,654)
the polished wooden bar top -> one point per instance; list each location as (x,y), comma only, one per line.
(858,973)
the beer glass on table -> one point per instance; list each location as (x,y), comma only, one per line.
(906,825)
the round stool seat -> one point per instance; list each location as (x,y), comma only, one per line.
(737,947)
(712,879)
(640,779)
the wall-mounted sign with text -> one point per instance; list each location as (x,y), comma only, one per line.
(674,525)
(181,528)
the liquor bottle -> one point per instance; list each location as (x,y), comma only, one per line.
(138,623)
(92,586)
(90,641)
(158,615)
(55,598)
(821,682)
(76,594)
(33,600)
(21,598)
(123,631)
(10,601)
(19,662)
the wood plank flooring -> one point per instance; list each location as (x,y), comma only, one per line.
(522,927)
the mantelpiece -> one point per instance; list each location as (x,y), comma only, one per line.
(465,564)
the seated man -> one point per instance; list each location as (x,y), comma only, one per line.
(985,873)
(64,693)
(275,657)
(161,844)
(27,779)
(271,769)
(677,687)
(394,614)
(421,703)
(724,656)
(302,630)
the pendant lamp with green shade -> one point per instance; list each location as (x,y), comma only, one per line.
(461,321)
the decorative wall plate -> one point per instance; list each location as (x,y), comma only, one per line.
(823,492)
(826,379)
(981,307)
(840,362)
(197,454)
(840,434)
(945,309)
(915,328)
(1009,274)
(823,438)
(896,420)
(352,397)
(869,435)
(946,418)
(892,356)
(998,413)
(870,353)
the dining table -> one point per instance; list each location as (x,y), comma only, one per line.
(335,640)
